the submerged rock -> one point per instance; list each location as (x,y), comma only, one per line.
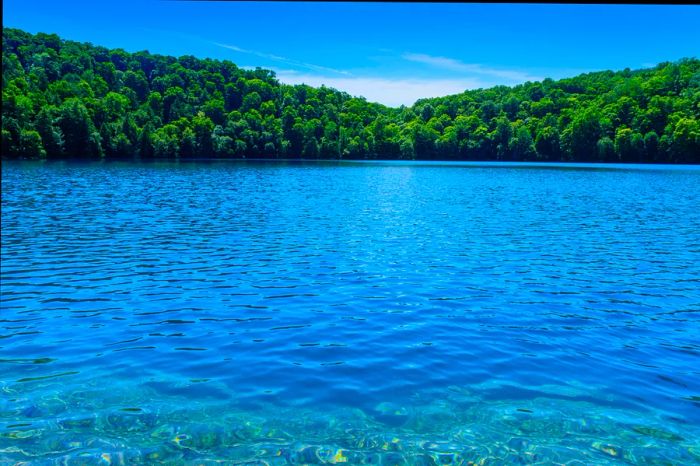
(160,454)
(391,414)
(78,422)
(608,449)
(32,411)
(130,421)
(657,433)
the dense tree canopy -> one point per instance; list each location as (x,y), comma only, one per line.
(65,99)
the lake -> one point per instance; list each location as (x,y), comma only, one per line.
(349,312)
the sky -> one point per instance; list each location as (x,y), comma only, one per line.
(392,53)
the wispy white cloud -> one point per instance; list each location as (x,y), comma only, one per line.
(391,92)
(451,64)
(288,61)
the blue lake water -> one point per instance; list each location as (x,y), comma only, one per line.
(360,313)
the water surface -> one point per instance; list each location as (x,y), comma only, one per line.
(367,313)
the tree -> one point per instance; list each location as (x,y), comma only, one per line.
(521,145)
(447,145)
(81,138)
(49,131)
(31,145)
(685,145)
(501,137)
(511,107)
(424,141)
(146,149)
(583,135)
(629,145)
(251,101)
(606,150)
(651,144)
(203,127)
(188,144)
(547,144)
(311,148)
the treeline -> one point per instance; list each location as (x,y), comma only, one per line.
(63,99)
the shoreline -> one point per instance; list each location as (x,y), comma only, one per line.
(492,163)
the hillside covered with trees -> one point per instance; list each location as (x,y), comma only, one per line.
(64,99)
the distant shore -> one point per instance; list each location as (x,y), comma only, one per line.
(64,99)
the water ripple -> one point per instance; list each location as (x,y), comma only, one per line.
(349,312)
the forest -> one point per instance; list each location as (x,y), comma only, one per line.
(63,99)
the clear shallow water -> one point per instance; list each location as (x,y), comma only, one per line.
(366,313)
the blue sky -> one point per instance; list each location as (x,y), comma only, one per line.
(392,53)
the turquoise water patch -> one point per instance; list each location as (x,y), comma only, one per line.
(127,425)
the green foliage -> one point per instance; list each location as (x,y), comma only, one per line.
(605,150)
(66,99)
(30,144)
